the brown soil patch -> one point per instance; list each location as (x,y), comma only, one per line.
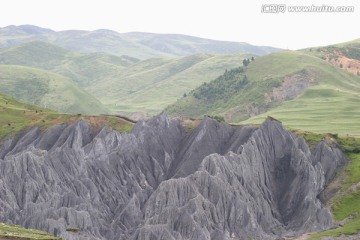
(348,64)
(291,87)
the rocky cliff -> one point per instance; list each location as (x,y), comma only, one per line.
(218,182)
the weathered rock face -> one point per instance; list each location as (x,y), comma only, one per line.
(219,182)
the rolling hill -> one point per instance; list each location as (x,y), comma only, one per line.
(124,84)
(48,89)
(301,90)
(151,85)
(136,44)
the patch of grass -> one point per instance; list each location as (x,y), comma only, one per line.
(312,139)
(345,205)
(351,227)
(13,231)
(352,171)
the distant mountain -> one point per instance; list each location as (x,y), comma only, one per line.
(183,45)
(301,90)
(23,30)
(136,44)
(124,84)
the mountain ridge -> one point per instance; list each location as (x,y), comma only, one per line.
(143,45)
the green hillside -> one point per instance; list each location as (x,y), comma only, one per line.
(149,86)
(300,90)
(124,84)
(47,89)
(34,54)
(9,231)
(81,68)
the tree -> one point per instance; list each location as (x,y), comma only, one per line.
(252,58)
(246,62)
(184,95)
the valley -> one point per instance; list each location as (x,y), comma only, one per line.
(144,136)
(107,83)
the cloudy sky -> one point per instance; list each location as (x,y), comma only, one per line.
(232,20)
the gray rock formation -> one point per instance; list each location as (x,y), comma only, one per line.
(218,182)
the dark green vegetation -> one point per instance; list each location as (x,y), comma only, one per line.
(303,91)
(16,117)
(8,231)
(135,44)
(57,78)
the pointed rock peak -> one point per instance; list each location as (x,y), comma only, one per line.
(273,129)
(160,122)
(82,124)
(270,118)
(270,121)
(158,119)
(208,121)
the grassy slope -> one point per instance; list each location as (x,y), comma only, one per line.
(81,68)
(332,105)
(48,89)
(34,54)
(9,231)
(124,84)
(16,116)
(151,85)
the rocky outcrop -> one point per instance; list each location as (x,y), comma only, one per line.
(218,182)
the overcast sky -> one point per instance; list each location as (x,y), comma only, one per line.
(232,20)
